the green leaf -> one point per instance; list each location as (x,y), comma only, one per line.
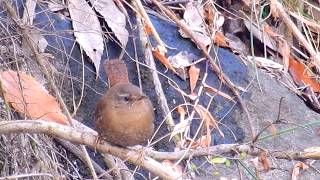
(218,160)
(227,163)
(216,173)
(243,155)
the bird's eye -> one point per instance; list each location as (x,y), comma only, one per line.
(126,98)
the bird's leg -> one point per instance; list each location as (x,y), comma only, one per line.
(141,151)
(96,142)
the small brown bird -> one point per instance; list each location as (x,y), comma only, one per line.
(124,115)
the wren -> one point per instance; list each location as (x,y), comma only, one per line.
(124,115)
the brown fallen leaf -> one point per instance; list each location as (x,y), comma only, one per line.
(27,96)
(160,55)
(296,170)
(194,73)
(208,118)
(204,141)
(220,40)
(257,166)
(263,159)
(181,61)
(300,75)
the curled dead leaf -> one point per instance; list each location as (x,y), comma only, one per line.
(160,55)
(300,75)
(296,170)
(194,73)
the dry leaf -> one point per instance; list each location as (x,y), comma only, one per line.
(208,118)
(180,128)
(209,12)
(300,75)
(35,36)
(157,53)
(194,73)
(180,61)
(264,161)
(193,19)
(204,141)
(296,170)
(115,19)
(219,21)
(27,96)
(220,40)
(87,30)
